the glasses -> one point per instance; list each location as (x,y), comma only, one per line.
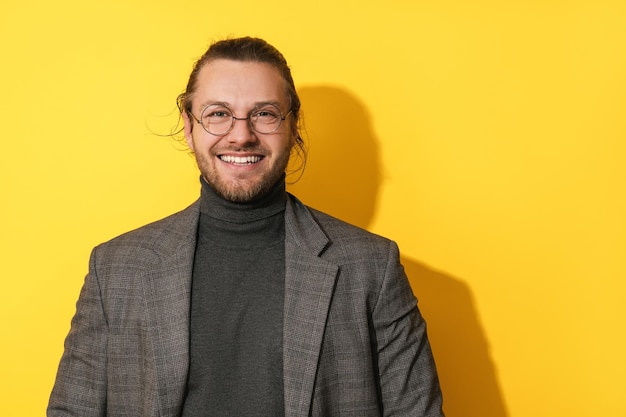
(218,119)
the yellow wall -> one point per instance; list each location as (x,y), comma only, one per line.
(486,137)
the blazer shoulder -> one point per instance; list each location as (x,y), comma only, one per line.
(337,227)
(343,236)
(159,236)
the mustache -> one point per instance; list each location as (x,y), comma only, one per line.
(251,148)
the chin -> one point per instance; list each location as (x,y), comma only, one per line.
(240,190)
(241,193)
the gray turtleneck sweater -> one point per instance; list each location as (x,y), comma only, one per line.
(237,308)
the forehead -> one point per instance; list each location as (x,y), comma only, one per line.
(239,83)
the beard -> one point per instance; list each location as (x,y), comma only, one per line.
(242,190)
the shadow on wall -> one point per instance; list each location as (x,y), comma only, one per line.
(343,177)
(342,173)
(466,371)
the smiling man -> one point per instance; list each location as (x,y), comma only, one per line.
(241,158)
(247,303)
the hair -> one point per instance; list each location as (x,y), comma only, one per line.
(248,49)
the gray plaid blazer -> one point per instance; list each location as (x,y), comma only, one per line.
(354,341)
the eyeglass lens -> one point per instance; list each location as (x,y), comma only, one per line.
(218,119)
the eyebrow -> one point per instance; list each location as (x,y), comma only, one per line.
(227,105)
(214,103)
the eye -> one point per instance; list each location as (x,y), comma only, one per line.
(268,113)
(216,114)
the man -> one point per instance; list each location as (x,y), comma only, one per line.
(247,303)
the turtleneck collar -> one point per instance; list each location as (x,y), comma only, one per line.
(218,208)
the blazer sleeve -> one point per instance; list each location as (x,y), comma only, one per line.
(408,378)
(80,386)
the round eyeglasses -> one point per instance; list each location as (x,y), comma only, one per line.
(218,119)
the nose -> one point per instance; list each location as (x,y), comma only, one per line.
(242,132)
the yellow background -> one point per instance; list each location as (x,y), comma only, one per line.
(486,137)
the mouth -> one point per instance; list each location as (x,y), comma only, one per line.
(240,160)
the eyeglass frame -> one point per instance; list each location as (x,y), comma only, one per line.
(234,118)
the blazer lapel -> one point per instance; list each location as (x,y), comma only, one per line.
(167,290)
(309,284)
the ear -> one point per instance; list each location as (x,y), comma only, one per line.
(187,129)
(294,132)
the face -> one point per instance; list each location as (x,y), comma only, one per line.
(241,165)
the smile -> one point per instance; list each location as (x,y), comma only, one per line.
(240,160)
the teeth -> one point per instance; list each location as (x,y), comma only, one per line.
(240,160)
